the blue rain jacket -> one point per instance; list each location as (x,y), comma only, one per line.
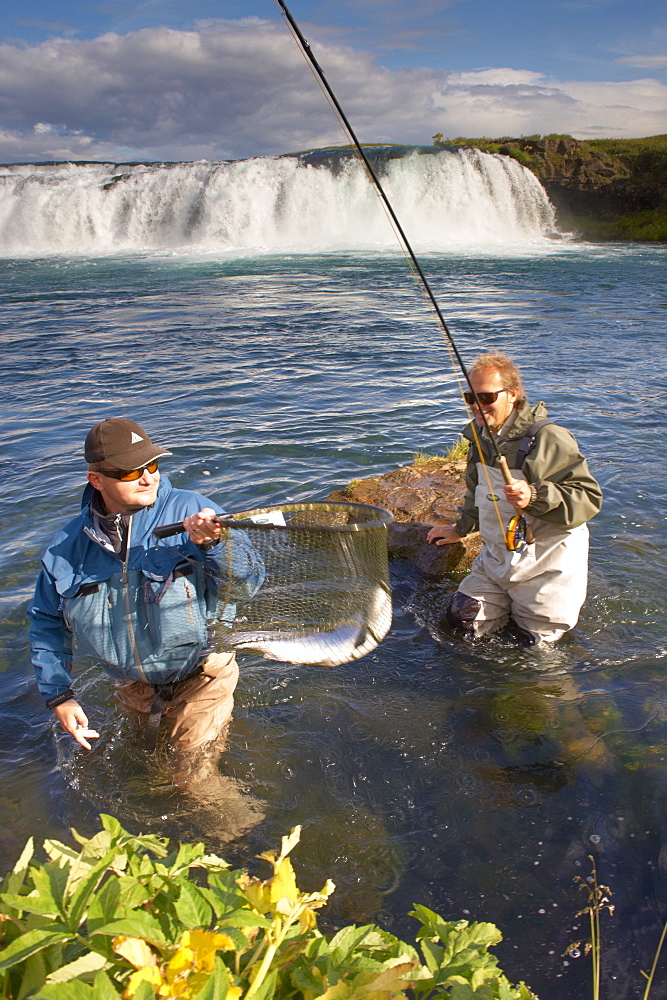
(145,618)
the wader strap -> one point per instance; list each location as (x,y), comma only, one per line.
(163,694)
(528,440)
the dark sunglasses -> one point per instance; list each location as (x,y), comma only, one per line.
(129,475)
(485,398)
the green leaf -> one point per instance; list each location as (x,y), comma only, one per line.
(267,989)
(34,903)
(101,844)
(33,974)
(106,906)
(346,940)
(225,885)
(217,985)
(306,981)
(433,955)
(213,863)
(245,918)
(141,925)
(76,990)
(132,892)
(111,824)
(85,888)
(28,944)
(60,852)
(389,979)
(431,920)
(82,968)
(49,881)
(192,909)
(463,991)
(184,857)
(14,881)
(144,991)
(103,988)
(238,939)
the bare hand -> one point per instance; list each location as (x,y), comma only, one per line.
(74,721)
(203,527)
(518,493)
(443,534)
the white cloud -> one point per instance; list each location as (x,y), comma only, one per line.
(501,77)
(656,62)
(233,89)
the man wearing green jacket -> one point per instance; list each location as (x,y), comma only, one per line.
(542,586)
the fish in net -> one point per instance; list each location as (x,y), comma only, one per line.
(325,599)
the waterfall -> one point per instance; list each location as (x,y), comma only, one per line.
(318,201)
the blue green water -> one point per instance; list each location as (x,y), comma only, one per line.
(475,779)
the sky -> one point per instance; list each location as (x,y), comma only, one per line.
(123,81)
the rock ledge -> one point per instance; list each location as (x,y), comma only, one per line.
(427,492)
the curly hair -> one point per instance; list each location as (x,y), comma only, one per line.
(506,368)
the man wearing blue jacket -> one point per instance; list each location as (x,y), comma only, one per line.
(138,606)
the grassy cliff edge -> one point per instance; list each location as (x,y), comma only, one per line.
(603,189)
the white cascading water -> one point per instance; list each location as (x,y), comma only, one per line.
(443,198)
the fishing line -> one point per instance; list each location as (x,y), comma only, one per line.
(515,533)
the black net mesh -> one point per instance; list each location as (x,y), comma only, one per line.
(325,598)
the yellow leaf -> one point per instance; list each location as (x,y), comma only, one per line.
(204,945)
(287,844)
(170,991)
(307,920)
(283,882)
(149,974)
(233,992)
(135,950)
(182,961)
(257,893)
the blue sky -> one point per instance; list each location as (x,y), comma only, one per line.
(222,79)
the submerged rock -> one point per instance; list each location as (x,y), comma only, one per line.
(427,492)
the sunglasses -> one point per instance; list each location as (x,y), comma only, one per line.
(485,398)
(129,475)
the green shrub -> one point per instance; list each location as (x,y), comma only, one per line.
(125,916)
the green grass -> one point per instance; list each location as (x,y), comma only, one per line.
(456,453)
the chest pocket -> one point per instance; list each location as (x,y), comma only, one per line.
(175,608)
(138,626)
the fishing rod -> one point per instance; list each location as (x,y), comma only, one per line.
(516,532)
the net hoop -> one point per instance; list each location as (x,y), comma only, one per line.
(324,597)
(360,516)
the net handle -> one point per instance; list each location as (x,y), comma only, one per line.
(167,530)
(383,520)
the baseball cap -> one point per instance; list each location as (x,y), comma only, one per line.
(121,443)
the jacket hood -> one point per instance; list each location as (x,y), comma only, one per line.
(526,416)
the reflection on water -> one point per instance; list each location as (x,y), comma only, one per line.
(475,778)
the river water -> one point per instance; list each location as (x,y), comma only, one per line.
(476,779)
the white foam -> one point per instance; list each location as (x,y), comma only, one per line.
(443,200)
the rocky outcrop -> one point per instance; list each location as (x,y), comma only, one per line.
(428,492)
(603,188)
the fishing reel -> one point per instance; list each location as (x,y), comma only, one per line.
(516,533)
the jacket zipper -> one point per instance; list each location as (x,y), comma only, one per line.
(128,614)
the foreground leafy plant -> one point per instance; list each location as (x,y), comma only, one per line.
(124,916)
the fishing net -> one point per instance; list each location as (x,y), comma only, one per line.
(325,598)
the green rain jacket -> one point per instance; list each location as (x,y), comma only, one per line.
(567,494)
